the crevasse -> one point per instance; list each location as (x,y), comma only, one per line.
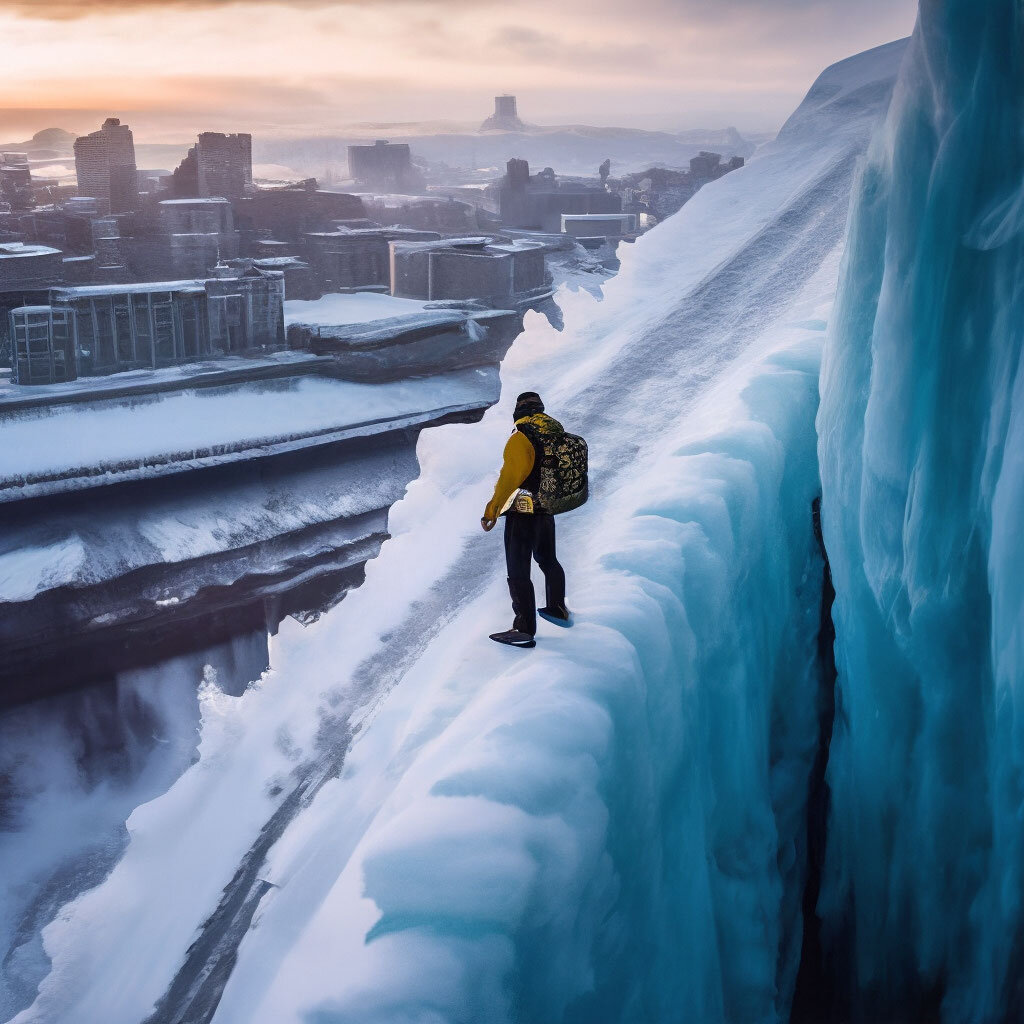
(922,462)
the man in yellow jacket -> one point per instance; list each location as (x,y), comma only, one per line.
(529,530)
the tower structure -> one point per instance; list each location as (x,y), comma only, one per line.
(105,166)
(505,118)
(224,165)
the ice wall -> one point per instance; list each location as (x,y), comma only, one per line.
(922,460)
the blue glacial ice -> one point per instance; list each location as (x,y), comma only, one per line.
(402,822)
(922,462)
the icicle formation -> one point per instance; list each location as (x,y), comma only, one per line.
(921,446)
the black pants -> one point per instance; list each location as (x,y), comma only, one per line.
(532,535)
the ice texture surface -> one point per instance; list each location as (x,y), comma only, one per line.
(402,821)
(922,461)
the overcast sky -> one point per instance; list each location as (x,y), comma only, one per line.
(172,67)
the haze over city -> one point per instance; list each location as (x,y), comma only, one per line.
(171,68)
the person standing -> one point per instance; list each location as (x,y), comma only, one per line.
(529,526)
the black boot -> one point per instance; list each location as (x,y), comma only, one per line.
(524,606)
(555,610)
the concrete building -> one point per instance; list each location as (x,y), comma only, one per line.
(196,216)
(131,327)
(224,164)
(111,266)
(183,238)
(184,183)
(103,329)
(348,260)
(105,166)
(152,180)
(384,167)
(299,280)
(85,206)
(16,181)
(81,270)
(65,229)
(467,268)
(429,213)
(598,225)
(245,309)
(26,272)
(42,345)
(505,117)
(288,214)
(28,267)
(217,166)
(537,202)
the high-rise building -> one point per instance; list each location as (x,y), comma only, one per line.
(224,165)
(217,167)
(505,118)
(105,165)
(384,166)
(16,181)
(100,329)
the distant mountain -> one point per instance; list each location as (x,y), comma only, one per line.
(50,142)
(53,138)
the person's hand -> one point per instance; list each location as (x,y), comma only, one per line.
(487,524)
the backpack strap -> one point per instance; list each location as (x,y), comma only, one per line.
(532,482)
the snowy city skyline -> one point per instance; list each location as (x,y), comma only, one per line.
(264,66)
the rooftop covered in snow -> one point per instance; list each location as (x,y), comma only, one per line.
(14,250)
(102,442)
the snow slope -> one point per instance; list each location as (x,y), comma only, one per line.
(402,821)
(922,461)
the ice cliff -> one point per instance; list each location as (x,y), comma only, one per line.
(922,462)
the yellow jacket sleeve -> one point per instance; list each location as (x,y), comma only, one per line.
(518,462)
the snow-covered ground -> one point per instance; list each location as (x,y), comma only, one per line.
(337,309)
(146,381)
(76,445)
(183,524)
(402,821)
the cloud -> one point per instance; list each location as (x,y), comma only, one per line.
(68,10)
(267,63)
(537,47)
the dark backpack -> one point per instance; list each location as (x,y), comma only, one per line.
(562,478)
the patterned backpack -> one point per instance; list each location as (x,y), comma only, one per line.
(562,483)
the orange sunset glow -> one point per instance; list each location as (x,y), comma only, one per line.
(263,66)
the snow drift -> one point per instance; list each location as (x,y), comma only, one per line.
(922,462)
(402,821)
